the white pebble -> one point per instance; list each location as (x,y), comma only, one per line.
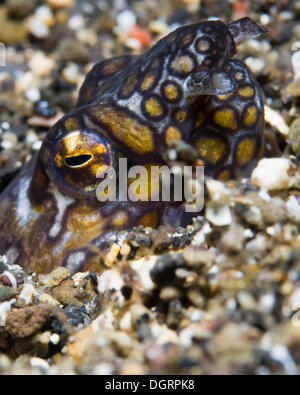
(265,19)
(256,65)
(133,43)
(39,363)
(293,207)
(31,137)
(5,307)
(275,119)
(37,145)
(219,215)
(281,354)
(126,20)
(41,65)
(33,94)
(38,28)
(27,294)
(274,173)
(76,22)
(54,339)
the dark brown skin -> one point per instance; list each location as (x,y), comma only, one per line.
(187,87)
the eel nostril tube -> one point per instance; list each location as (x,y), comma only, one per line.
(245,29)
(211,83)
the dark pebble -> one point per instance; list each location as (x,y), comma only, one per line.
(76,314)
(3,267)
(143,239)
(44,108)
(126,291)
(164,269)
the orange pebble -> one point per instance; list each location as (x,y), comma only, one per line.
(140,34)
(241,6)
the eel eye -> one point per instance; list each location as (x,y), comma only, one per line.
(78,160)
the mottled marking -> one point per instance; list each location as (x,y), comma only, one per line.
(127,129)
(24,211)
(62,202)
(132,107)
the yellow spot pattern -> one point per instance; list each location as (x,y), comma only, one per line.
(211,149)
(127,129)
(183,64)
(172,133)
(181,115)
(246,92)
(239,76)
(112,67)
(171,92)
(250,116)
(129,85)
(245,151)
(226,119)
(203,45)
(153,107)
(148,82)
(186,39)
(224,97)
